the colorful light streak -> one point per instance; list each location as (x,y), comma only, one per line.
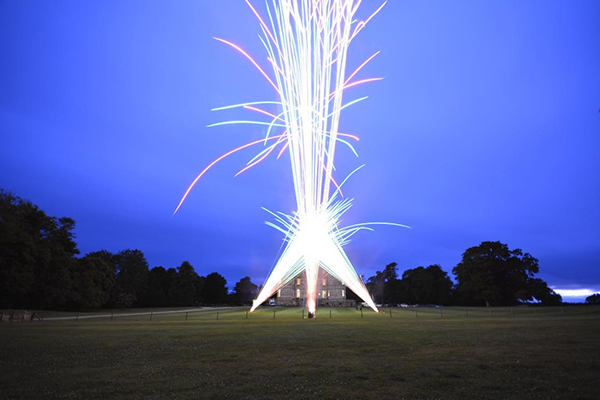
(307,44)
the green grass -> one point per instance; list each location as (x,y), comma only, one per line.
(554,354)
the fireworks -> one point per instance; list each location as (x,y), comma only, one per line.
(307,45)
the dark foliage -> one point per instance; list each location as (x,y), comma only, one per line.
(593,299)
(39,269)
(36,255)
(430,285)
(92,283)
(421,285)
(186,286)
(132,273)
(492,274)
(159,285)
(383,286)
(214,291)
(245,291)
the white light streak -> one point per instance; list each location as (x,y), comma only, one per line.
(307,43)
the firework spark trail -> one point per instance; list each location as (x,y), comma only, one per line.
(307,43)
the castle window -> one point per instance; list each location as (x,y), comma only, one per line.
(298,281)
(343,293)
(279,293)
(324,293)
(324,281)
(297,293)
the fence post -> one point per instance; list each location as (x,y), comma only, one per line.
(466,313)
(186,315)
(41,318)
(490,312)
(416,313)
(217,315)
(77,318)
(151,315)
(112,315)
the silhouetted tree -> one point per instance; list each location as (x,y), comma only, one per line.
(186,286)
(214,290)
(132,273)
(22,231)
(125,300)
(384,285)
(429,285)
(53,283)
(375,286)
(36,255)
(157,289)
(245,291)
(492,274)
(593,299)
(110,260)
(541,292)
(92,282)
(106,256)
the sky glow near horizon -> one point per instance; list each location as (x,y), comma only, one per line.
(485,128)
(575,295)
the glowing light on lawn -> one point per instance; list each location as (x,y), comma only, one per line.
(307,43)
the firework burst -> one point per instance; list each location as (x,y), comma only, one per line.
(307,45)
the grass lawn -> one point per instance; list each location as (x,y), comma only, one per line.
(427,353)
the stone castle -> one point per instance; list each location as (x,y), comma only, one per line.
(330,292)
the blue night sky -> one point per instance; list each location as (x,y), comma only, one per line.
(487,127)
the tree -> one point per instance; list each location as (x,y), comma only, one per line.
(106,256)
(384,285)
(53,283)
(214,290)
(593,299)
(186,286)
(110,260)
(541,292)
(245,291)
(375,286)
(429,285)
(92,282)
(492,274)
(157,289)
(125,300)
(20,236)
(37,253)
(132,273)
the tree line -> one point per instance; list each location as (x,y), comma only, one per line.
(488,275)
(40,268)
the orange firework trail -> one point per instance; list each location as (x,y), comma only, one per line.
(307,45)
